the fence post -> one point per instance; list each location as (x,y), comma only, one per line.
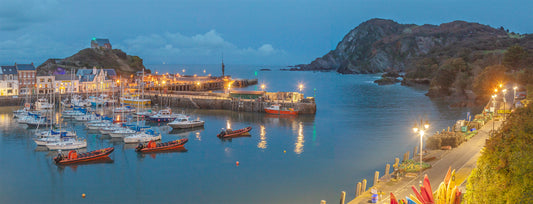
(343,197)
(387,170)
(376,178)
(363,186)
(358,189)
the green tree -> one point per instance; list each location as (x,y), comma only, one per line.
(504,172)
(485,83)
(446,75)
(515,57)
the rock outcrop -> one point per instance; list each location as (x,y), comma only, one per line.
(124,64)
(378,44)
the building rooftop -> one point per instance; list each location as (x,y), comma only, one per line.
(8,69)
(25,67)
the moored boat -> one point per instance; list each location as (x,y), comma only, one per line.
(67,143)
(277,109)
(75,157)
(233,133)
(185,122)
(143,136)
(155,147)
(164,115)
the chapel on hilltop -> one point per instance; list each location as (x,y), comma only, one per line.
(100,43)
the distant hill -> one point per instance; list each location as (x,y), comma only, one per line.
(124,64)
(448,57)
(378,45)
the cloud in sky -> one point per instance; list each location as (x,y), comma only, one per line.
(17,14)
(182,49)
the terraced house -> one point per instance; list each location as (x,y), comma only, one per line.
(27,78)
(9,84)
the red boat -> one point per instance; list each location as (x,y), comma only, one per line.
(75,157)
(153,147)
(277,109)
(233,133)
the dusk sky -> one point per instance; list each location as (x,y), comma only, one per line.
(256,32)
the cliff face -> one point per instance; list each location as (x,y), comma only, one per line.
(378,45)
(124,64)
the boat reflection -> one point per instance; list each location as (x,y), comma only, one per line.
(74,167)
(180,131)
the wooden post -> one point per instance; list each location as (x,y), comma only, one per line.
(343,197)
(397,162)
(358,189)
(408,154)
(363,186)
(322,202)
(415,151)
(387,169)
(376,178)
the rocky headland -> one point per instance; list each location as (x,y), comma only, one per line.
(124,64)
(447,57)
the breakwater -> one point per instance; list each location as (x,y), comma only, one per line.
(204,100)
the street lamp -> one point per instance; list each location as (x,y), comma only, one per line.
(493,102)
(263,87)
(514,95)
(504,102)
(301,87)
(421,129)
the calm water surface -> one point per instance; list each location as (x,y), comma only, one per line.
(358,128)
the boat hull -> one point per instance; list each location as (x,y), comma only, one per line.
(236,133)
(281,112)
(141,139)
(91,156)
(165,147)
(186,125)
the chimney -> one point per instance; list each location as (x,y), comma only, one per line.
(31,63)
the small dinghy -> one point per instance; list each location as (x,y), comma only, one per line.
(234,133)
(155,147)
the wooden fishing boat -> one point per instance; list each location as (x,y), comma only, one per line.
(233,133)
(152,146)
(75,157)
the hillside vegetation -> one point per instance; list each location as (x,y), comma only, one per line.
(504,172)
(449,57)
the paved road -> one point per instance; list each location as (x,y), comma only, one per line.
(462,159)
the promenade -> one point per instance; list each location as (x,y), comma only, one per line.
(463,159)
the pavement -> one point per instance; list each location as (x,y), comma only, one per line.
(463,159)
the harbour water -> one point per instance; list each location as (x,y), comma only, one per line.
(358,128)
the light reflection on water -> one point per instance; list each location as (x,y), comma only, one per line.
(358,128)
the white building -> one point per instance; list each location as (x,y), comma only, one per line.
(45,84)
(9,84)
(65,83)
(96,80)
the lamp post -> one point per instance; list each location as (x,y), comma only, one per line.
(514,95)
(262,87)
(421,129)
(493,102)
(504,102)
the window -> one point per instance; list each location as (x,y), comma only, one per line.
(49,80)
(46,86)
(41,80)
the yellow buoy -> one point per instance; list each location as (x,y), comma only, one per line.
(83,195)
(284,151)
